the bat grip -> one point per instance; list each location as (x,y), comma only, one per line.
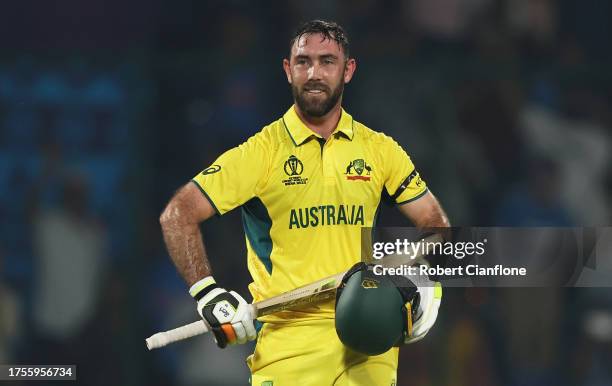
(162,339)
(187,331)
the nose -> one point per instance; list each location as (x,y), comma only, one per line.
(314,72)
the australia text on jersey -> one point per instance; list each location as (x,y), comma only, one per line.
(326,215)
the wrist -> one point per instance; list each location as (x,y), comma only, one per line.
(202,287)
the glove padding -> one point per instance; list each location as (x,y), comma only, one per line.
(426,312)
(227,315)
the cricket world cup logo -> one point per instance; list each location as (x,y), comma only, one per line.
(293,166)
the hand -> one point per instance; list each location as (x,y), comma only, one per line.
(422,298)
(422,319)
(227,314)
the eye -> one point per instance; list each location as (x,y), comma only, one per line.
(328,61)
(300,61)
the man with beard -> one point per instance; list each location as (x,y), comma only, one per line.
(307,183)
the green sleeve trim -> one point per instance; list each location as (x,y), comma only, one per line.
(414,198)
(217,213)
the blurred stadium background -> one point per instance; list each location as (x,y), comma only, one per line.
(107,107)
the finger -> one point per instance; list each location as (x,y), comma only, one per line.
(229,332)
(240,333)
(251,333)
(237,296)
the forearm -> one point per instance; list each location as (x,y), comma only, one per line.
(426,214)
(435,218)
(185,245)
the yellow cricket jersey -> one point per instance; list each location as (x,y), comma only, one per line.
(304,200)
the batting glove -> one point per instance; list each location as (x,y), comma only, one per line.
(421,320)
(225,313)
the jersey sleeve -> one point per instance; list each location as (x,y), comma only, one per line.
(236,176)
(402,180)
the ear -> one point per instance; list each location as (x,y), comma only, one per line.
(349,69)
(287,69)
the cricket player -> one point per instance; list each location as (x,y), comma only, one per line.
(306,184)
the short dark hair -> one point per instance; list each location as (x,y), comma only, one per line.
(329,29)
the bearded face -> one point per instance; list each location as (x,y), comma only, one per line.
(317,72)
(316,98)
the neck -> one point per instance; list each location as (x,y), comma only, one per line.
(325,125)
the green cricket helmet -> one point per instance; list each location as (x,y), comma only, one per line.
(371,311)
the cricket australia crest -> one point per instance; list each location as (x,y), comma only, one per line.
(356,168)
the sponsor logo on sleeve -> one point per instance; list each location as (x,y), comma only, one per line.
(211,170)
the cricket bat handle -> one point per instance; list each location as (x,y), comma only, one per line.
(164,338)
(187,331)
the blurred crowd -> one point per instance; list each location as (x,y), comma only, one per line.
(502,105)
